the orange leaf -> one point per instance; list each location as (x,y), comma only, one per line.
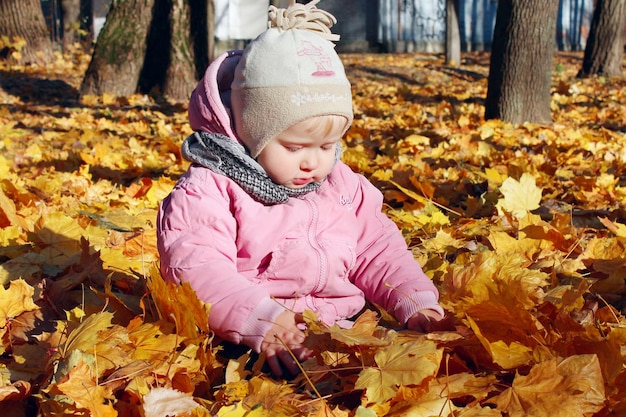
(556,388)
(81,388)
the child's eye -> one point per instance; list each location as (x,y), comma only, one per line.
(293,148)
(328,147)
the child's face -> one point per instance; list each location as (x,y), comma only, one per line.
(303,153)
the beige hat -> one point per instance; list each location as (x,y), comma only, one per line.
(289,73)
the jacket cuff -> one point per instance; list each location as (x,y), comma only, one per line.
(408,306)
(259,322)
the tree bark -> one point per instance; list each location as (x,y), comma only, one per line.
(71,22)
(604,51)
(151,46)
(24,19)
(453,35)
(180,78)
(210,32)
(120,50)
(520,68)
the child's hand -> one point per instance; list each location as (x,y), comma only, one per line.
(426,321)
(285,329)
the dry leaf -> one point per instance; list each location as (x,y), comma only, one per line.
(520,197)
(160,402)
(555,388)
(399,364)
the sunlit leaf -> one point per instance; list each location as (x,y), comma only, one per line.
(168,297)
(81,388)
(80,186)
(520,197)
(161,402)
(87,334)
(15,300)
(399,364)
(575,384)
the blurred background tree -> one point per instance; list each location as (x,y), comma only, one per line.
(24,31)
(604,52)
(521,61)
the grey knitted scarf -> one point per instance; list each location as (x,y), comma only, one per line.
(223,155)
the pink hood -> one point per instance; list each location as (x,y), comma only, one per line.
(209,105)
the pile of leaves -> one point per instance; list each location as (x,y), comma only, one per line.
(522,228)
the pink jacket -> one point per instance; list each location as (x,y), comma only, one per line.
(327,252)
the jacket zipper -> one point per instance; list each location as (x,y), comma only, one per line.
(322,259)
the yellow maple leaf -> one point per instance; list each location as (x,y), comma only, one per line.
(618,229)
(559,387)
(399,364)
(490,275)
(150,344)
(159,189)
(493,177)
(15,300)
(8,236)
(508,356)
(414,195)
(235,391)
(24,266)
(8,211)
(183,366)
(443,242)
(168,297)
(83,390)
(59,235)
(519,197)
(108,99)
(239,410)
(361,333)
(87,334)
(34,152)
(266,394)
(112,350)
(463,384)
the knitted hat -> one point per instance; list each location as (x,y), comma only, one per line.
(289,73)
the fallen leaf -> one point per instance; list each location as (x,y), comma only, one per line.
(520,197)
(160,402)
(399,364)
(558,387)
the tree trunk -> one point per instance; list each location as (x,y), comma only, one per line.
(453,35)
(604,51)
(180,79)
(523,46)
(24,19)
(120,50)
(210,31)
(71,22)
(151,46)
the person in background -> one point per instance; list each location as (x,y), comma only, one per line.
(268,222)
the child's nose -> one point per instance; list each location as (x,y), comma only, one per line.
(309,162)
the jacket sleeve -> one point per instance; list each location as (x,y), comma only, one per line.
(196,240)
(386,270)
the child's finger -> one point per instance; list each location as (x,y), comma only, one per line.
(289,363)
(274,364)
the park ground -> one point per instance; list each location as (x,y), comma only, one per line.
(522,228)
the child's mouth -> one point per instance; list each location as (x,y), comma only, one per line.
(301,181)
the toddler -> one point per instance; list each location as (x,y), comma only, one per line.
(268,222)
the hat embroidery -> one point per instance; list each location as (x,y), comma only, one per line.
(322,60)
(305,97)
